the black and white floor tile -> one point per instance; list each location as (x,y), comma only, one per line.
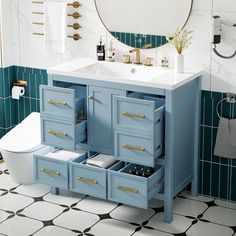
(34,211)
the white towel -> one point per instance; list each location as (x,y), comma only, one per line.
(65,155)
(55,26)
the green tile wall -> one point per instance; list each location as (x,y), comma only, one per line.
(139,40)
(14,111)
(217,175)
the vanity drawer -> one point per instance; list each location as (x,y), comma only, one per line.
(138,114)
(86,179)
(63,134)
(131,189)
(51,172)
(137,148)
(65,103)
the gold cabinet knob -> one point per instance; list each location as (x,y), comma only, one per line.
(90,97)
(149,61)
(127,59)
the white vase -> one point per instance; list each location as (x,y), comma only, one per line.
(179,63)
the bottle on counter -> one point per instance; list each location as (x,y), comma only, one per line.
(101,50)
(111,52)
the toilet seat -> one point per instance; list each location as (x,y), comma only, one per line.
(24,138)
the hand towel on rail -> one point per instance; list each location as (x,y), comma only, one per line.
(55,26)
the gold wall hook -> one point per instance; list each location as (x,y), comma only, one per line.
(75,15)
(75,26)
(75,4)
(75,37)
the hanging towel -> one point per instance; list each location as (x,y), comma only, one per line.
(232,131)
(55,26)
(223,146)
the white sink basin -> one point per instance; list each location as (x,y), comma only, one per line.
(121,70)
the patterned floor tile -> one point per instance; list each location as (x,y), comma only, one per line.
(156,203)
(76,220)
(198,198)
(20,226)
(225,204)
(147,232)
(43,211)
(3,166)
(110,227)
(14,202)
(4,215)
(7,182)
(65,198)
(36,190)
(96,206)
(179,225)
(132,214)
(209,229)
(54,231)
(220,215)
(188,207)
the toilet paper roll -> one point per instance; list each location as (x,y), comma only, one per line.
(17,92)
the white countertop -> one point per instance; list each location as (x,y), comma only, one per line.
(167,79)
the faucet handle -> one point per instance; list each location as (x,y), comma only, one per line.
(127,59)
(149,61)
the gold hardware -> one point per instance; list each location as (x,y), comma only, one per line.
(57,103)
(86,180)
(75,37)
(20,83)
(37,2)
(75,26)
(37,23)
(57,133)
(46,171)
(1,161)
(40,34)
(127,59)
(133,148)
(75,4)
(138,57)
(149,61)
(75,15)
(133,115)
(90,97)
(125,189)
(38,13)
(146,46)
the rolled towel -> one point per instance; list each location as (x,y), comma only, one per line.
(223,146)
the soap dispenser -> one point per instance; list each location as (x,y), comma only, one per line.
(111,52)
(101,50)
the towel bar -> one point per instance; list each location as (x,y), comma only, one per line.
(75,4)
(76,37)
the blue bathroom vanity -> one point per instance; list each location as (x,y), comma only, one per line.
(143,116)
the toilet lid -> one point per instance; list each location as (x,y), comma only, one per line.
(22,139)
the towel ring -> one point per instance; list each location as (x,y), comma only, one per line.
(217,106)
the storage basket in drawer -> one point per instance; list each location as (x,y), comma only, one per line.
(63,134)
(138,148)
(131,189)
(62,102)
(138,114)
(87,179)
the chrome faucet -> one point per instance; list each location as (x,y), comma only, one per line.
(138,57)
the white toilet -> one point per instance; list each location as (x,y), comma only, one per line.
(18,147)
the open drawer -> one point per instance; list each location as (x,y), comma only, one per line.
(65,103)
(133,190)
(87,179)
(61,133)
(52,170)
(139,113)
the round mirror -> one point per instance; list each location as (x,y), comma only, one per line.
(143,23)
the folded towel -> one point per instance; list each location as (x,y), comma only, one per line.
(65,155)
(223,146)
(55,26)
(232,131)
(102,160)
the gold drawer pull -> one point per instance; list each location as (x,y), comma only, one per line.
(125,189)
(57,133)
(46,171)
(133,148)
(56,103)
(133,115)
(86,180)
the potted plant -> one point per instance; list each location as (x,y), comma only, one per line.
(180,39)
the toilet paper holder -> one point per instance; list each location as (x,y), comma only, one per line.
(20,83)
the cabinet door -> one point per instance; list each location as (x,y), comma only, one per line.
(100,126)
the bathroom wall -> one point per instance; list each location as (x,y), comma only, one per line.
(26,51)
